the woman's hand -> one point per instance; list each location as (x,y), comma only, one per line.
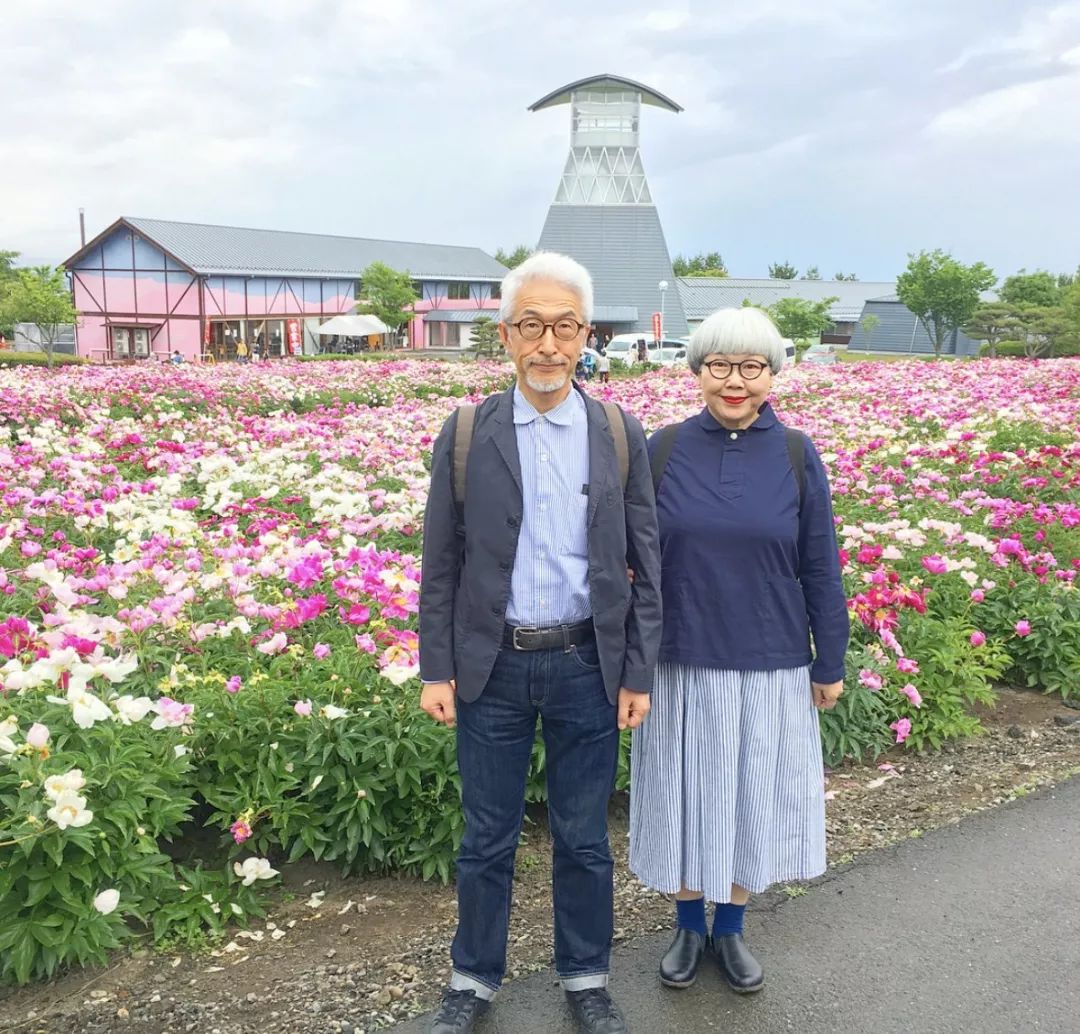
(826,694)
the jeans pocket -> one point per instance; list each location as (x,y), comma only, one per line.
(586,657)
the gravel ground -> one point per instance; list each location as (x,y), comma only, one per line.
(350,956)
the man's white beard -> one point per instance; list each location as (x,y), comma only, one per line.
(545,385)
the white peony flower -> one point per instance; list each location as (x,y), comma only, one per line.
(107,901)
(253,869)
(70,810)
(116,669)
(37,735)
(273,645)
(86,708)
(333,712)
(8,728)
(131,709)
(399,674)
(69,782)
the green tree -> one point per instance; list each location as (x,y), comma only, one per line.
(1038,288)
(1043,329)
(1066,280)
(7,275)
(993,323)
(942,292)
(783,271)
(485,336)
(812,273)
(387,294)
(846,276)
(869,324)
(513,258)
(798,319)
(702,264)
(39,295)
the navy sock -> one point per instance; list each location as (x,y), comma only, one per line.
(728,919)
(690,915)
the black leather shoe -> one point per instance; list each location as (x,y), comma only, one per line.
(740,969)
(595,1012)
(678,968)
(458,1013)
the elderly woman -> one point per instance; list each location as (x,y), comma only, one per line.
(727,789)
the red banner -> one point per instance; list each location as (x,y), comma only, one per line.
(292,335)
(657,326)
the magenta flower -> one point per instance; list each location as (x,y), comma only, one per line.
(1022,628)
(907,665)
(321,651)
(902,728)
(934,564)
(870,679)
(240,830)
(977,595)
(233,684)
(912,694)
(977,638)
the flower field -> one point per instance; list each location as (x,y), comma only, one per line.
(210,580)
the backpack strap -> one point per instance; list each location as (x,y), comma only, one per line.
(463,435)
(796,448)
(665,442)
(622,446)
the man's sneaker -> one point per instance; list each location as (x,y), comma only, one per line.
(458,1013)
(595,1012)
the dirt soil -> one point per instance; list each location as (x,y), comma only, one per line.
(350,955)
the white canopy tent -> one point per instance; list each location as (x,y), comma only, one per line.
(354,326)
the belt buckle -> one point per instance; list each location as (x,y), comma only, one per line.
(514,635)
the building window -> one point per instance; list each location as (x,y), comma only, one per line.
(457,292)
(418,289)
(130,342)
(496,292)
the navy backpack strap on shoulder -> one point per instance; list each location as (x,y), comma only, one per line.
(796,447)
(617,425)
(464,422)
(665,442)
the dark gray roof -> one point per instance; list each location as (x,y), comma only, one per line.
(459,315)
(702,295)
(615,313)
(234,249)
(900,330)
(648,95)
(623,247)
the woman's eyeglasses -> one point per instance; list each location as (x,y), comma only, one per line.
(749,369)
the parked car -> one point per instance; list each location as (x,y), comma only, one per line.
(625,347)
(671,356)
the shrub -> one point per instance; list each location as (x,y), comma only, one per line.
(9,358)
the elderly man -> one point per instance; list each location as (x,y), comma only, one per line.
(527,609)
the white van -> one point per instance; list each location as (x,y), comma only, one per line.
(625,347)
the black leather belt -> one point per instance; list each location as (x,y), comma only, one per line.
(522,638)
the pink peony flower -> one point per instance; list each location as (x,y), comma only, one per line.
(275,644)
(37,736)
(870,679)
(934,564)
(902,728)
(240,830)
(907,665)
(977,595)
(233,684)
(366,644)
(302,708)
(912,694)
(321,651)
(977,638)
(1022,628)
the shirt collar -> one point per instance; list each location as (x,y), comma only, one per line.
(766,418)
(565,414)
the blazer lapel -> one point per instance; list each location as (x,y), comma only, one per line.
(504,435)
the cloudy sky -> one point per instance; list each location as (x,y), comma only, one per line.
(841,133)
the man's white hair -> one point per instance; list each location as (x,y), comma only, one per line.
(547,265)
(745,331)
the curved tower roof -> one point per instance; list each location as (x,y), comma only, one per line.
(564,94)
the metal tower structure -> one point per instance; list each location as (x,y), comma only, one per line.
(603,213)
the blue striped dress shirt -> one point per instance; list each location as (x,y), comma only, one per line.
(550,584)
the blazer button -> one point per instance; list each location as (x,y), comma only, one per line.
(505,565)
(496,609)
(512,522)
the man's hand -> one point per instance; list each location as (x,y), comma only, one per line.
(437,700)
(826,694)
(633,707)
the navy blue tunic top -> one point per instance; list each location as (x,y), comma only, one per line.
(746,578)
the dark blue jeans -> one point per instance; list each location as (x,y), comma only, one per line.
(495,736)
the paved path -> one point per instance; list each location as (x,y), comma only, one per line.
(975,927)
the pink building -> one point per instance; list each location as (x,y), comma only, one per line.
(146,288)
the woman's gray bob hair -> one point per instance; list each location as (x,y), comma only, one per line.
(547,265)
(745,331)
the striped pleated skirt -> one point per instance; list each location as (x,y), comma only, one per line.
(727,782)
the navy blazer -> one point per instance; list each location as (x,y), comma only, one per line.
(466,573)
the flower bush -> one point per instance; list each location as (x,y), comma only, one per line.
(210,582)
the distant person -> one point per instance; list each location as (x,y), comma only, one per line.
(592,340)
(176,358)
(589,362)
(642,351)
(603,366)
(242,351)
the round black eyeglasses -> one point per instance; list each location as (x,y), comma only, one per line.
(749,369)
(532,329)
